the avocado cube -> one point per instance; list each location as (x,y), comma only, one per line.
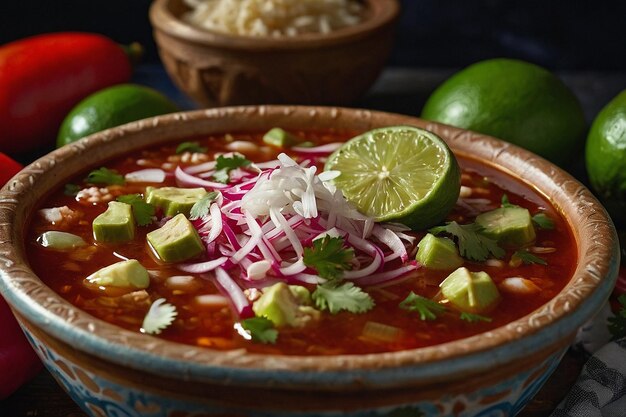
(280,138)
(56,240)
(123,274)
(176,241)
(286,305)
(470,292)
(115,225)
(174,200)
(438,253)
(509,226)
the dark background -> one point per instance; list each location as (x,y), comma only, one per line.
(557,34)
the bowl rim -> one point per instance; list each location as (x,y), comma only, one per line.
(385,12)
(554,322)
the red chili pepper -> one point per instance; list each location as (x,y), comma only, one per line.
(44,76)
(18,362)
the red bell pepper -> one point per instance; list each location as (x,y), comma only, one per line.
(8,168)
(18,362)
(44,76)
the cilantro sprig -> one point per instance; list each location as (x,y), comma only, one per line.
(190,147)
(105,176)
(329,257)
(225,164)
(543,221)
(474,318)
(617,324)
(201,207)
(334,297)
(427,308)
(142,211)
(261,329)
(71,190)
(504,202)
(528,258)
(473,245)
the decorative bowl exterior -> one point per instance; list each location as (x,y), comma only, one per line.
(110,371)
(218,69)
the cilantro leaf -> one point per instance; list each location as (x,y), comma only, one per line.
(160,316)
(104,176)
(528,258)
(328,257)
(543,221)
(504,202)
(190,147)
(335,297)
(261,329)
(427,308)
(71,189)
(617,324)
(472,244)
(225,164)
(201,207)
(473,318)
(142,211)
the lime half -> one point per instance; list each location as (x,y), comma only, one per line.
(398,174)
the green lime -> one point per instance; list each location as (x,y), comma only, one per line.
(112,107)
(605,156)
(399,173)
(513,100)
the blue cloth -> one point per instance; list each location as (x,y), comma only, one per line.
(600,390)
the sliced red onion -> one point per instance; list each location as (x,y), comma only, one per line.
(205,166)
(323,150)
(216,220)
(258,270)
(293,269)
(267,165)
(382,277)
(185,179)
(154,175)
(279,221)
(307,279)
(230,235)
(252,243)
(202,267)
(239,299)
(207,174)
(394,243)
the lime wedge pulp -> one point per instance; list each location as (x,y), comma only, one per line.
(399,173)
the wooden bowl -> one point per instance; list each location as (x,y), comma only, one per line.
(218,69)
(112,371)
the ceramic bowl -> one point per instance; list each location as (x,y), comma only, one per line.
(217,69)
(114,372)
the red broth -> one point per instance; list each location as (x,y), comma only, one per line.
(341,333)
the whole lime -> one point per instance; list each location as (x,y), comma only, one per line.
(605,157)
(513,100)
(112,107)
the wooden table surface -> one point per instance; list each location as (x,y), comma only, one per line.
(42,397)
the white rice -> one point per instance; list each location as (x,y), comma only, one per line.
(273,17)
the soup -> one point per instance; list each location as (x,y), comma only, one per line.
(286,282)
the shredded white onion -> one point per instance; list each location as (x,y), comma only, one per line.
(257,230)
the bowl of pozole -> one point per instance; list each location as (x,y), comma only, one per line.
(285,260)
